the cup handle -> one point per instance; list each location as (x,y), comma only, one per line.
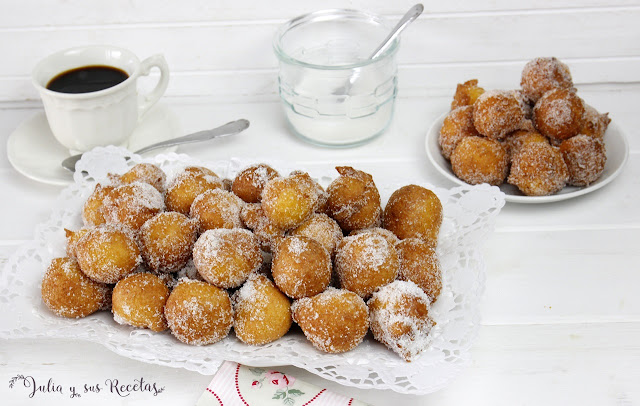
(152,97)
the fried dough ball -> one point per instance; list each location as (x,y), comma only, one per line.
(254,219)
(287,202)
(479,160)
(414,211)
(334,321)
(558,114)
(594,124)
(139,299)
(248,184)
(146,173)
(399,315)
(585,158)
(538,170)
(419,264)
(226,257)
(543,74)
(187,185)
(72,238)
(466,94)
(301,267)
(108,253)
(198,313)
(167,240)
(262,313)
(92,214)
(517,139)
(321,228)
(497,113)
(383,232)
(457,125)
(364,262)
(354,200)
(132,204)
(217,208)
(68,292)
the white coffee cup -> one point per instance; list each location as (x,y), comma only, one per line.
(82,121)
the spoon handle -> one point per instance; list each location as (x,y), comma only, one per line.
(230,128)
(410,15)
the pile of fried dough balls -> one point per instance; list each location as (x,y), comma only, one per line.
(203,255)
(539,138)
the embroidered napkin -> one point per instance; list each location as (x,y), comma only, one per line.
(240,385)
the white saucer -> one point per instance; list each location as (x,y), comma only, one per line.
(34,152)
(616,146)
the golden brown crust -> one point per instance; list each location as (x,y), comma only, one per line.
(92,210)
(108,253)
(262,313)
(497,113)
(146,173)
(479,160)
(538,170)
(419,264)
(217,208)
(198,313)
(457,125)
(301,267)
(364,262)
(132,204)
(334,321)
(187,185)
(558,114)
(353,200)
(167,241)
(248,184)
(287,202)
(543,74)
(466,94)
(139,299)
(414,211)
(585,158)
(68,292)
(226,257)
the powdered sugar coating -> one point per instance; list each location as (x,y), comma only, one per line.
(92,209)
(139,300)
(538,169)
(419,264)
(543,74)
(594,124)
(478,160)
(457,125)
(354,200)
(68,292)
(185,186)
(146,173)
(558,114)
(108,253)
(167,241)
(262,312)
(334,321)
(287,202)
(399,315)
(585,158)
(301,267)
(364,262)
(132,204)
(321,228)
(248,184)
(383,232)
(198,313)
(268,234)
(226,257)
(217,208)
(497,113)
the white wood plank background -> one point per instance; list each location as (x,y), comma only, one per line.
(206,42)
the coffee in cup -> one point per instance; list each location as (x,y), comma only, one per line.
(90,94)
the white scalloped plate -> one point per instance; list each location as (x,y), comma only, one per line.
(616,146)
(469,215)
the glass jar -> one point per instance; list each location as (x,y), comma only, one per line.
(332,93)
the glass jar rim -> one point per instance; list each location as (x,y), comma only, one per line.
(329,15)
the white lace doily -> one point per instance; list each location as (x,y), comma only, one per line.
(469,215)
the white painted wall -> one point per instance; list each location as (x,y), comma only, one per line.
(222,48)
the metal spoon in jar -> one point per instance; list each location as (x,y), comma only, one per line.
(406,19)
(231,128)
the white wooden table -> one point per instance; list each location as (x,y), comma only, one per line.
(561,313)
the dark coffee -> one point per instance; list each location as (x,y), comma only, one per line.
(87,79)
